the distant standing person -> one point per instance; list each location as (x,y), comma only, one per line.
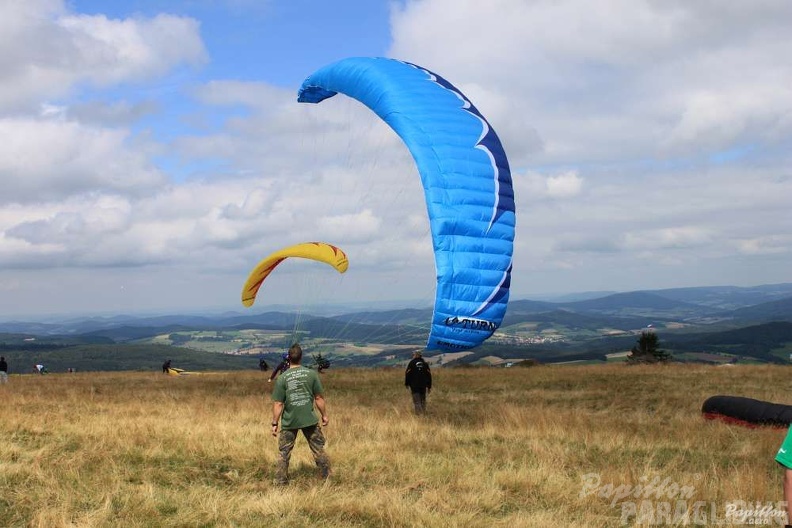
(283,366)
(418,378)
(293,398)
(3,370)
(263,364)
(166,366)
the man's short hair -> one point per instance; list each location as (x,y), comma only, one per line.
(295,354)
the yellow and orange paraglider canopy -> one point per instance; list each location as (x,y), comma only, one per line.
(319,251)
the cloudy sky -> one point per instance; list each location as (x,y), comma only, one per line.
(152,152)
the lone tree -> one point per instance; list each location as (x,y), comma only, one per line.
(647,350)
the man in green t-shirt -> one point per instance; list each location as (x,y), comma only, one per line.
(784,457)
(293,398)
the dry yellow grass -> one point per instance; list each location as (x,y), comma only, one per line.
(500,447)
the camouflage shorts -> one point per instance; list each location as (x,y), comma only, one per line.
(316,442)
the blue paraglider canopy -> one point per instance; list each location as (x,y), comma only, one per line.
(466,180)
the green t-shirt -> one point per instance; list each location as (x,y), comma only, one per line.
(784,455)
(296,389)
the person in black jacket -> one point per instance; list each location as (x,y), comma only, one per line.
(3,370)
(418,378)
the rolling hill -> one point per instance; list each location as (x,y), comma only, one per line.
(632,301)
(688,321)
(780,310)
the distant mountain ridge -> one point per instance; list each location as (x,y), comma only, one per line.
(698,324)
(631,301)
(728,297)
(780,310)
(616,310)
(589,321)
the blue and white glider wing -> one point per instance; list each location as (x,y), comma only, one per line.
(466,181)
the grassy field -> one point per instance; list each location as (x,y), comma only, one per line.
(522,447)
